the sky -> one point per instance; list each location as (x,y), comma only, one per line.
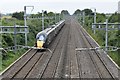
(102,6)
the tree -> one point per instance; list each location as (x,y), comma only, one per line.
(100,18)
(87,11)
(45,12)
(65,12)
(50,14)
(77,12)
(18,15)
(114,18)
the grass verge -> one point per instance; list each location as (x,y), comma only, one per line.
(10,57)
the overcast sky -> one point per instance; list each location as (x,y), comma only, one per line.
(102,6)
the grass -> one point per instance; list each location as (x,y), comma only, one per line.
(0,62)
(115,56)
(8,17)
(10,58)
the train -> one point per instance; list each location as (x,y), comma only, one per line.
(45,37)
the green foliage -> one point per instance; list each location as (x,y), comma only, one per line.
(18,15)
(7,40)
(100,18)
(118,37)
(114,18)
(12,21)
(50,14)
(115,56)
(36,15)
(113,38)
(87,11)
(10,57)
(0,62)
(77,12)
(65,12)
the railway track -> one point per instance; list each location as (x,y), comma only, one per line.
(101,68)
(64,61)
(21,69)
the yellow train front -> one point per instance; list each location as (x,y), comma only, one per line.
(40,44)
(41,39)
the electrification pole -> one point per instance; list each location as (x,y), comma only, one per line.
(1,18)
(59,17)
(55,17)
(42,19)
(1,45)
(83,17)
(106,39)
(15,38)
(94,18)
(25,23)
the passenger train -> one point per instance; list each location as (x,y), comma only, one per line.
(45,37)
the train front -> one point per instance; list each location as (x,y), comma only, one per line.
(41,38)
